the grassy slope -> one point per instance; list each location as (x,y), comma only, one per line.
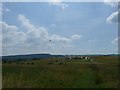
(57,73)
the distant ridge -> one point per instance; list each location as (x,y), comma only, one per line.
(43,56)
(29,56)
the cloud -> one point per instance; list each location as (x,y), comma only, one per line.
(58,3)
(25,22)
(56,38)
(74,37)
(4,10)
(27,38)
(11,35)
(39,32)
(113,18)
(116,40)
(34,34)
(111,2)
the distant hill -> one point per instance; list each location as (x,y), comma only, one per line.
(29,57)
(43,56)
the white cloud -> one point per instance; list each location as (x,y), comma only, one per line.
(113,18)
(32,39)
(58,3)
(116,40)
(112,2)
(11,35)
(6,10)
(74,37)
(3,10)
(56,38)
(26,23)
(40,32)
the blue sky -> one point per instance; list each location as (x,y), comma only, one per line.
(58,28)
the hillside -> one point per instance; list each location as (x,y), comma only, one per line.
(29,57)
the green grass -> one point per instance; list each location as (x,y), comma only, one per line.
(58,73)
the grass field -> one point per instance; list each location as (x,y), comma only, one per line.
(102,72)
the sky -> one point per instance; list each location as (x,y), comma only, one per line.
(59,28)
